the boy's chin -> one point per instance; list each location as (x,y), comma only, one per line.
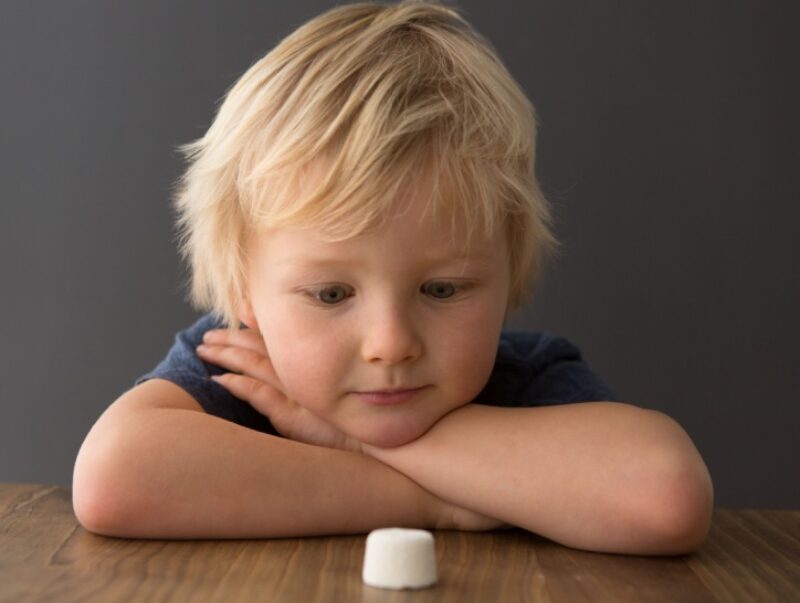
(390,435)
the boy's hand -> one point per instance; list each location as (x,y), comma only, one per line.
(253,380)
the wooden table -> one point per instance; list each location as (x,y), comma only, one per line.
(45,554)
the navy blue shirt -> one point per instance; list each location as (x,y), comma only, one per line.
(530,369)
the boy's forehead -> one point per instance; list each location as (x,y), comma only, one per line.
(306,246)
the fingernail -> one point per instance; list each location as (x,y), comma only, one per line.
(201,348)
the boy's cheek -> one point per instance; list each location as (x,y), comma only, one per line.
(472,358)
(304,380)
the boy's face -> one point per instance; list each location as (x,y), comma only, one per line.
(398,308)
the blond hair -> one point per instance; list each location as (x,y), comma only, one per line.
(380,93)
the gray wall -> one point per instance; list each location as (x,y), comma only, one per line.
(669,135)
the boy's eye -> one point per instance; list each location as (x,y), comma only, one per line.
(439,289)
(331,295)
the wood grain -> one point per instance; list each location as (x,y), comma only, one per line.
(750,555)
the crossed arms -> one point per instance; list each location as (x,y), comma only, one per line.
(600,476)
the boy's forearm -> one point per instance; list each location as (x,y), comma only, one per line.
(172,473)
(600,476)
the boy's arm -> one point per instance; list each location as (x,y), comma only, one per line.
(156,466)
(601,476)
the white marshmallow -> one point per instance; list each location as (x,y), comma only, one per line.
(399,558)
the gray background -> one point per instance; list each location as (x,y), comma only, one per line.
(669,135)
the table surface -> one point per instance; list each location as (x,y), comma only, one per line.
(750,555)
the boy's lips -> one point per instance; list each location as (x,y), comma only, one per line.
(389,396)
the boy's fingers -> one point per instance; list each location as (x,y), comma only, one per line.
(245,338)
(256,392)
(240,360)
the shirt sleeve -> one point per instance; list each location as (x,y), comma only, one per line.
(184,368)
(540,369)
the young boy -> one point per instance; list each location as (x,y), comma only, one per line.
(359,220)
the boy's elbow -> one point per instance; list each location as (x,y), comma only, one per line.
(97,495)
(680,507)
(681,519)
(92,509)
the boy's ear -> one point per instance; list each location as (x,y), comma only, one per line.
(246,315)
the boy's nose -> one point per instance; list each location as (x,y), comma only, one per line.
(390,338)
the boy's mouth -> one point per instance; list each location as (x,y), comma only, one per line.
(389,396)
